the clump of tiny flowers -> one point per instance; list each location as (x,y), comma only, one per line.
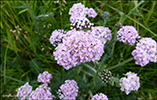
(68,91)
(128,35)
(56,37)
(78,18)
(44,77)
(145,51)
(24,91)
(130,82)
(41,93)
(77,47)
(100,96)
(81,23)
(79,10)
(101,33)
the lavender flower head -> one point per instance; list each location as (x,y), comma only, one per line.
(91,13)
(127,35)
(130,82)
(41,93)
(78,10)
(44,77)
(145,51)
(80,23)
(77,47)
(68,91)
(101,33)
(24,91)
(100,96)
(56,37)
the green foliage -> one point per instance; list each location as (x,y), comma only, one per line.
(27,53)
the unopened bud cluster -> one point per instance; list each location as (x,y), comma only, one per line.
(106,76)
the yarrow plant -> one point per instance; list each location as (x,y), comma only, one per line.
(101,33)
(99,96)
(128,35)
(44,77)
(78,18)
(145,52)
(78,47)
(130,82)
(81,23)
(85,43)
(24,91)
(79,10)
(68,90)
(40,93)
(56,37)
(43,92)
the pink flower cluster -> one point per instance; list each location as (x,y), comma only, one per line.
(78,18)
(80,23)
(127,35)
(44,77)
(145,52)
(56,37)
(41,93)
(24,91)
(77,47)
(130,82)
(101,33)
(100,96)
(79,10)
(68,91)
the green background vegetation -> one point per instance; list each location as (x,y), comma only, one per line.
(26,54)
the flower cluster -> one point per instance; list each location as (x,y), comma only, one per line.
(100,96)
(78,18)
(78,47)
(69,90)
(24,91)
(145,51)
(130,82)
(106,76)
(79,10)
(41,93)
(91,13)
(56,37)
(44,77)
(101,33)
(127,35)
(80,23)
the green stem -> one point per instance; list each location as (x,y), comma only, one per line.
(120,64)
(142,26)
(13,79)
(5,61)
(105,22)
(89,67)
(103,60)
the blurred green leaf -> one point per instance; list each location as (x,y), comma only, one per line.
(137,14)
(22,11)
